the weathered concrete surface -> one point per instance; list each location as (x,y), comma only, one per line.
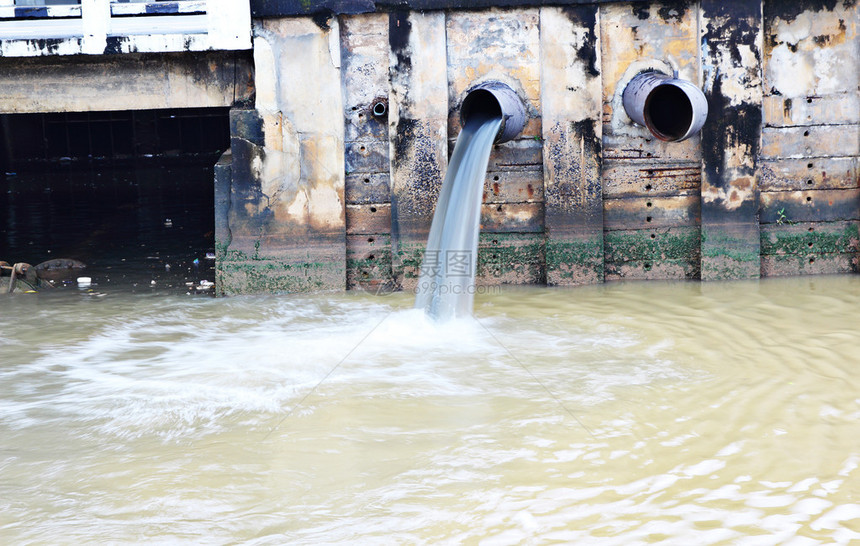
(810,184)
(125,82)
(501,45)
(364,80)
(771,186)
(417,129)
(287,215)
(572,131)
(731,140)
(648,183)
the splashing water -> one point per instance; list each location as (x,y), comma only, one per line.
(446,285)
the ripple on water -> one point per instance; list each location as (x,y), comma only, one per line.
(623,414)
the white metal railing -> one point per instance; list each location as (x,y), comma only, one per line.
(109,26)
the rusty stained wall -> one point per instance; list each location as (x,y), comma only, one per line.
(770,186)
(651,211)
(811,138)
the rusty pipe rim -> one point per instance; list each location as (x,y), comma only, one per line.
(672,109)
(496,98)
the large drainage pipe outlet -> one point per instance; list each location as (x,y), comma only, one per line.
(496,99)
(671,108)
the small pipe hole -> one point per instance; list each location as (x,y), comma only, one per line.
(809,199)
(499,208)
(370,239)
(379,109)
(372,209)
(653,236)
(371,257)
(648,204)
(648,187)
(812,260)
(809,165)
(806,133)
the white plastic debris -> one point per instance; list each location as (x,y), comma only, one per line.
(85,282)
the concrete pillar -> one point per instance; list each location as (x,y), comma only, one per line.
(503,45)
(650,187)
(810,158)
(417,129)
(287,219)
(572,134)
(364,72)
(731,139)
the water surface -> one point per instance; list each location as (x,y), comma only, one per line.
(691,413)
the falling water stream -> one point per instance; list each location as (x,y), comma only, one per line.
(447,279)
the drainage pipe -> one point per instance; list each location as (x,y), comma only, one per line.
(496,99)
(671,108)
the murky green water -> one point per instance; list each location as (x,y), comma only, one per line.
(619,414)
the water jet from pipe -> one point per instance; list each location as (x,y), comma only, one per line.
(491,112)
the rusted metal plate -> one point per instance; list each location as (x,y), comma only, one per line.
(368,219)
(812,141)
(514,155)
(841,109)
(677,243)
(812,264)
(804,238)
(572,144)
(645,178)
(650,212)
(366,188)
(513,187)
(418,131)
(636,38)
(495,44)
(512,217)
(624,147)
(731,39)
(368,262)
(810,206)
(810,174)
(652,270)
(510,258)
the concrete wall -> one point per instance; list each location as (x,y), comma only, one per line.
(85,83)
(322,194)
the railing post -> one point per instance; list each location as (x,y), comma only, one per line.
(95,16)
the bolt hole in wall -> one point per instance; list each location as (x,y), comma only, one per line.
(130,194)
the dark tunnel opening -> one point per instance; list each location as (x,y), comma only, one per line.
(129,193)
